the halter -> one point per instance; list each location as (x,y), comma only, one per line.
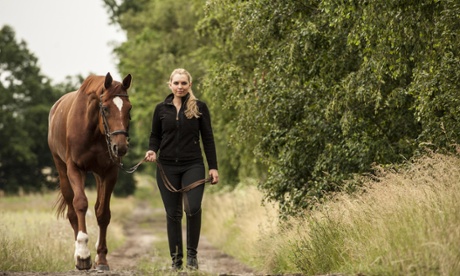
(108,134)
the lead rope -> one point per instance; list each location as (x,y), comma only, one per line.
(133,168)
(185,189)
(165,179)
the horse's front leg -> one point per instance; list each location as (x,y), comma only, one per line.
(80,205)
(102,208)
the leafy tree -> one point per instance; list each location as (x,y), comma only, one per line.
(331,86)
(317,91)
(25,98)
(162,37)
(229,81)
(436,73)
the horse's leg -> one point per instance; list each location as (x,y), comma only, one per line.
(102,208)
(67,194)
(80,206)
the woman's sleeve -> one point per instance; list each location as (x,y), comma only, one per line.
(208,137)
(155,134)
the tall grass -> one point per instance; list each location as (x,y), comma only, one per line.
(404,223)
(407,223)
(238,223)
(33,239)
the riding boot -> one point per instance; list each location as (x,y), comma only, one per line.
(193,237)
(174,229)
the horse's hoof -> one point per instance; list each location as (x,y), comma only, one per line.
(83,264)
(102,267)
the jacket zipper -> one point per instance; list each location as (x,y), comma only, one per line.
(178,127)
(177,136)
(179,119)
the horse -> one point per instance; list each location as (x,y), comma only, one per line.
(88,131)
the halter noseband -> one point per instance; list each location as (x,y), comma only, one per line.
(107,129)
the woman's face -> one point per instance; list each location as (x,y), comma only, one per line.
(180,85)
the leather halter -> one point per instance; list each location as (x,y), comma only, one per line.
(116,132)
(107,131)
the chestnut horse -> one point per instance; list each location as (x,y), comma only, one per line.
(88,132)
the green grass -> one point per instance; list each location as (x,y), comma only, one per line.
(32,238)
(34,241)
(238,223)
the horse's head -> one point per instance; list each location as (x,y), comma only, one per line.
(115,114)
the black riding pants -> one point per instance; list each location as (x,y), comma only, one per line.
(181,176)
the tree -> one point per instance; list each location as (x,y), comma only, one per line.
(162,37)
(316,91)
(332,86)
(25,99)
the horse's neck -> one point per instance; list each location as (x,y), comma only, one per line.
(89,111)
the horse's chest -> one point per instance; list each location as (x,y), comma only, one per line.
(93,156)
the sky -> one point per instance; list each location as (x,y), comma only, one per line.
(69,37)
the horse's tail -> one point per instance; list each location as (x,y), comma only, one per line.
(60,205)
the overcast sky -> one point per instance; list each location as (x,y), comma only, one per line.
(68,37)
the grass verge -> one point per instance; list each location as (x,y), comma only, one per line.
(404,223)
(32,238)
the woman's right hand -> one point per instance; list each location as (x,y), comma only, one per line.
(150,156)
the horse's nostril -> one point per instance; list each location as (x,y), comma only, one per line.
(115,149)
(122,151)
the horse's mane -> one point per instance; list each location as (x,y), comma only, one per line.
(92,84)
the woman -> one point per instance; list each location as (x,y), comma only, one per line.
(177,124)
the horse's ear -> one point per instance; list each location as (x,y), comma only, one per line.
(108,80)
(127,81)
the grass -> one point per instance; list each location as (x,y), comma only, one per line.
(405,223)
(33,239)
(238,223)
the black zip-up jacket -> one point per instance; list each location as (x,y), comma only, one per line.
(177,140)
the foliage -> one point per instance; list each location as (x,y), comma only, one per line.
(330,87)
(305,94)
(161,37)
(25,98)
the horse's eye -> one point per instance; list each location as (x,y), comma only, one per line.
(105,109)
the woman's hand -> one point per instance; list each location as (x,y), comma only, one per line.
(214,175)
(150,156)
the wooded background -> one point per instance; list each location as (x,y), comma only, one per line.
(303,94)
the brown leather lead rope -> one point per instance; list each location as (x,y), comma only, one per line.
(185,189)
(132,169)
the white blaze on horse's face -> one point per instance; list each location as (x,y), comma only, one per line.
(118,102)
(81,246)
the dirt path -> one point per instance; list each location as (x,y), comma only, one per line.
(145,229)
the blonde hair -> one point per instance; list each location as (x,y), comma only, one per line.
(192,108)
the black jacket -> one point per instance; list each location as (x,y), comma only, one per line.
(178,141)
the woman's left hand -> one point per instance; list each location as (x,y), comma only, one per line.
(214,175)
